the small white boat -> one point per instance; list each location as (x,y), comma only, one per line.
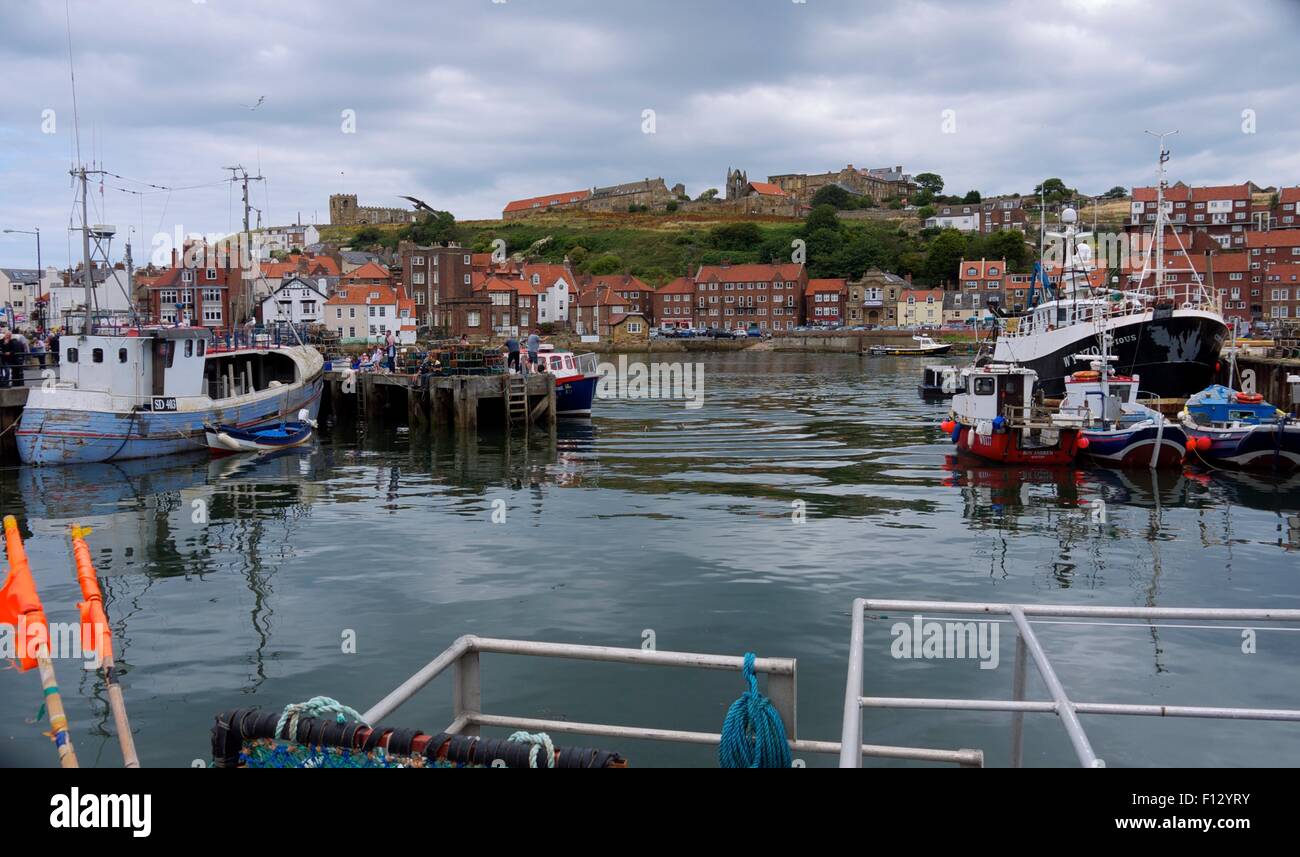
(924,346)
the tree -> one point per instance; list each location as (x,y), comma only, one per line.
(736,236)
(822,217)
(1054,190)
(944,257)
(708,195)
(834,196)
(933,182)
(431,229)
(924,196)
(671,206)
(1008,244)
(971,196)
(925,212)
(366,236)
(605,265)
(1117,192)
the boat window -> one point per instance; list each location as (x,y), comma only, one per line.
(557,363)
(72,355)
(189,348)
(1241,416)
(203,346)
(568,363)
(121,355)
(169,348)
(985,386)
(97,355)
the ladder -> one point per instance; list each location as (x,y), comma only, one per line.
(517,399)
(361,406)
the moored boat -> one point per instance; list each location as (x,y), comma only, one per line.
(1229,428)
(939,382)
(1120,430)
(925,346)
(575,380)
(227,440)
(996,417)
(152,391)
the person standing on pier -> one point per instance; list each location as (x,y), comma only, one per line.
(6,356)
(38,347)
(512,354)
(534,345)
(390,352)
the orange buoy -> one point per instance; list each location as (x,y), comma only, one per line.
(1084,443)
(1248,398)
(1086,375)
(1204,443)
(947,426)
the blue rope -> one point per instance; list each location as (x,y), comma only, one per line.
(753,735)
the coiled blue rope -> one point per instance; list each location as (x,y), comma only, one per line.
(753,735)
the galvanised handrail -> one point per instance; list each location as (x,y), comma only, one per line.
(1027,645)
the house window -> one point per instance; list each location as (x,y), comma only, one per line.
(472,319)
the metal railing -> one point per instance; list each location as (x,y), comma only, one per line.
(29,370)
(1028,646)
(463,658)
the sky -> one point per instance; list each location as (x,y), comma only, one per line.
(468,104)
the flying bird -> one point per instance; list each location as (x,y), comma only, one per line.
(257,105)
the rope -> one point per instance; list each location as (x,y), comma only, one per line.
(540,741)
(753,735)
(315,708)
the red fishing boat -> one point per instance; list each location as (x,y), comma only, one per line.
(998,416)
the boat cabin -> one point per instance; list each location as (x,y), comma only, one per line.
(1084,391)
(1220,407)
(157,366)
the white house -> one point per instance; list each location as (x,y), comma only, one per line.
(110,294)
(20,290)
(962,217)
(285,238)
(297,300)
(555,289)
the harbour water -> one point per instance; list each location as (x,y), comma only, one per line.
(748,524)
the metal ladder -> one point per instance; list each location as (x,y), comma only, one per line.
(517,399)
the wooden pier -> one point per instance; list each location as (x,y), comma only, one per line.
(12,402)
(464,403)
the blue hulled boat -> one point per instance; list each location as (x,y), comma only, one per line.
(575,380)
(1229,428)
(152,391)
(1121,431)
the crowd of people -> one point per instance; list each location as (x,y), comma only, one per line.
(20,351)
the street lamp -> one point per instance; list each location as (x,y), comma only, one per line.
(40,274)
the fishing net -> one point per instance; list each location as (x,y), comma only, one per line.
(247,738)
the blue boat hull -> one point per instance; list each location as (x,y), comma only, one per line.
(574,398)
(1274,447)
(1134,447)
(81,437)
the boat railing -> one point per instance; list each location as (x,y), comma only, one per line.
(30,370)
(463,658)
(1181,295)
(1024,617)
(588,364)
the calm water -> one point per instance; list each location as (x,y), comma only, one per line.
(679,521)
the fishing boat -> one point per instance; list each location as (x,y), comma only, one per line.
(938,381)
(925,346)
(1229,428)
(152,391)
(575,380)
(226,440)
(998,416)
(1120,430)
(1170,335)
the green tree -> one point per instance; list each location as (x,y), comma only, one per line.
(709,194)
(924,196)
(604,265)
(944,257)
(925,212)
(971,196)
(1008,244)
(671,206)
(822,217)
(933,182)
(1054,190)
(431,229)
(736,236)
(834,196)
(1117,192)
(366,236)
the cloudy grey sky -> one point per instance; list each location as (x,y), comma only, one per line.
(470,103)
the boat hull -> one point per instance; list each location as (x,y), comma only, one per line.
(226,440)
(53,436)
(887,351)
(573,396)
(1134,447)
(1175,354)
(1004,447)
(1272,448)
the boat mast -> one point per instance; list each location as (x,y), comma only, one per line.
(1158,233)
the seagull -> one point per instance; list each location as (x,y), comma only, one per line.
(257,105)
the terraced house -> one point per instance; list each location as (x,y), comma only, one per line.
(825,302)
(738,296)
(675,303)
(1223,212)
(920,308)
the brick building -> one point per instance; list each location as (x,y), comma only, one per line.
(1003,212)
(439,280)
(1281,293)
(879,184)
(873,298)
(200,295)
(738,296)
(1223,212)
(675,303)
(825,302)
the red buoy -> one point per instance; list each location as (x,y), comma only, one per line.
(1084,443)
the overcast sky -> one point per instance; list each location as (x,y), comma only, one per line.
(470,103)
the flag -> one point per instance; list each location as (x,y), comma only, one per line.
(20,606)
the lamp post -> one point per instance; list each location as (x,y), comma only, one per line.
(40,274)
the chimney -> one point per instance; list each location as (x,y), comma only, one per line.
(908,278)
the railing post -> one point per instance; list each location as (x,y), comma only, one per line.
(1018,694)
(851,735)
(468,696)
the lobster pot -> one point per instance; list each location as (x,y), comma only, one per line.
(248,738)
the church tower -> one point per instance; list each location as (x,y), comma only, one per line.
(737,181)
